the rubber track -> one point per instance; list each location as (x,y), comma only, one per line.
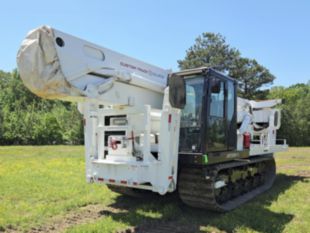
(196,185)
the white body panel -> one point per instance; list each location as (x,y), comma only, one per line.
(133,164)
(261,120)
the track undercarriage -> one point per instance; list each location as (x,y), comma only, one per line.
(219,187)
(223,187)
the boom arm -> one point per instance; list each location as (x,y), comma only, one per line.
(56,65)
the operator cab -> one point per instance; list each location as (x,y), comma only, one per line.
(208,118)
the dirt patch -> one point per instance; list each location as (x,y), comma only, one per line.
(92,213)
(86,214)
(304,173)
(167,226)
(162,226)
(291,166)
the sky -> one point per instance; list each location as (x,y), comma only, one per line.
(275,33)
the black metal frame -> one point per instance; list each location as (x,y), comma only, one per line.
(210,74)
(213,156)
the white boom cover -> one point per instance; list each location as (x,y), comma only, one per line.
(56,65)
(40,68)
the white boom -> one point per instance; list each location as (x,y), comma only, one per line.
(56,65)
(131,129)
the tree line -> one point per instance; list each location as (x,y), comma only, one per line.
(28,119)
(295,121)
(212,50)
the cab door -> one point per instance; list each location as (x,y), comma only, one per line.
(216,120)
(220,131)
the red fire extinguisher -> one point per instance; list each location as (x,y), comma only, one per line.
(246,140)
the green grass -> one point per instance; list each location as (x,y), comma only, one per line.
(41,185)
(39,182)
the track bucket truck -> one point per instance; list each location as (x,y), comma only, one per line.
(147,129)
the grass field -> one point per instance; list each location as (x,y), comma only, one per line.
(43,189)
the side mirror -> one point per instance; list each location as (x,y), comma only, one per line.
(177,92)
